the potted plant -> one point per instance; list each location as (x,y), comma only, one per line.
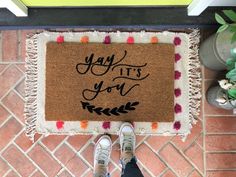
(224,95)
(214,51)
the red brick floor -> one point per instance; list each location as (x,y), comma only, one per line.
(208,151)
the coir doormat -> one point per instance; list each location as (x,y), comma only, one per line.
(109,82)
(90,82)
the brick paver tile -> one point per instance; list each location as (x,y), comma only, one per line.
(64,154)
(21,67)
(3,114)
(90,173)
(156,142)
(88,153)
(176,160)
(169,173)
(78,141)
(3,167)
(9,45)
(195,174)
(18,160)
(8,78)
(220,124)
(45,161)
(199,140)
(221,160)
(195,153)
(2,67)
(195,133)
(65,174)
(8,131)
(20,88)
(38,174)
(115,153)
(23,142)
(218,143)
(15,104)
(12,174)
(76,166)
(145,173)
(52,141)
(23,34)
(146,156)
(221,174)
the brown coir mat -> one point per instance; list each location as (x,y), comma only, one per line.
(115,82)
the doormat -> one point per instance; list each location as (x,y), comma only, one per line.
(90,82)
(109,82)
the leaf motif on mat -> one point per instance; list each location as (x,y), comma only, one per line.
(123,109)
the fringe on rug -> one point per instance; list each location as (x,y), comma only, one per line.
(30,110)
(194,74)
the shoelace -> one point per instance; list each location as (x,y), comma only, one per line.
(128,142)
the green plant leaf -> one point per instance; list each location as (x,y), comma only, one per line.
(231,75)
(219,19)
(233,39)
(230,62)
(222,28)
(232,28)
(230,14)
(232,93)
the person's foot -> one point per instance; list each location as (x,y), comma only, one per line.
(102,156)
(127,142)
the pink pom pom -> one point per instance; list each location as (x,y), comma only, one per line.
(177,57)
(177,125)
(107,40)
(59,124)
(60,39)
(106,125)
(177,41)
(177,92)
(130,40)
(178,108)
(177,75)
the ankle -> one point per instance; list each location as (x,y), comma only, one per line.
(100,170)
(126,157)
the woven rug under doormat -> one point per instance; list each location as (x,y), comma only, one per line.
(91,82)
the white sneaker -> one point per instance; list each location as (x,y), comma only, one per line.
(102,155)
(127,142)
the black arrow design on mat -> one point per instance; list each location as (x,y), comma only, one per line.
(117,111)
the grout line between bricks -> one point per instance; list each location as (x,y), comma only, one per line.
(194,141)
(188,159)
(7,66)
(31,175)
(220,115)
(85,173)
(13,115)
(158,154)
(63,166)
(6,120)
(32,161)
(143,166)
(11,88)
(5,175)
(164,172)
(12,168)
(223,169)
(12,62)
(162,160)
